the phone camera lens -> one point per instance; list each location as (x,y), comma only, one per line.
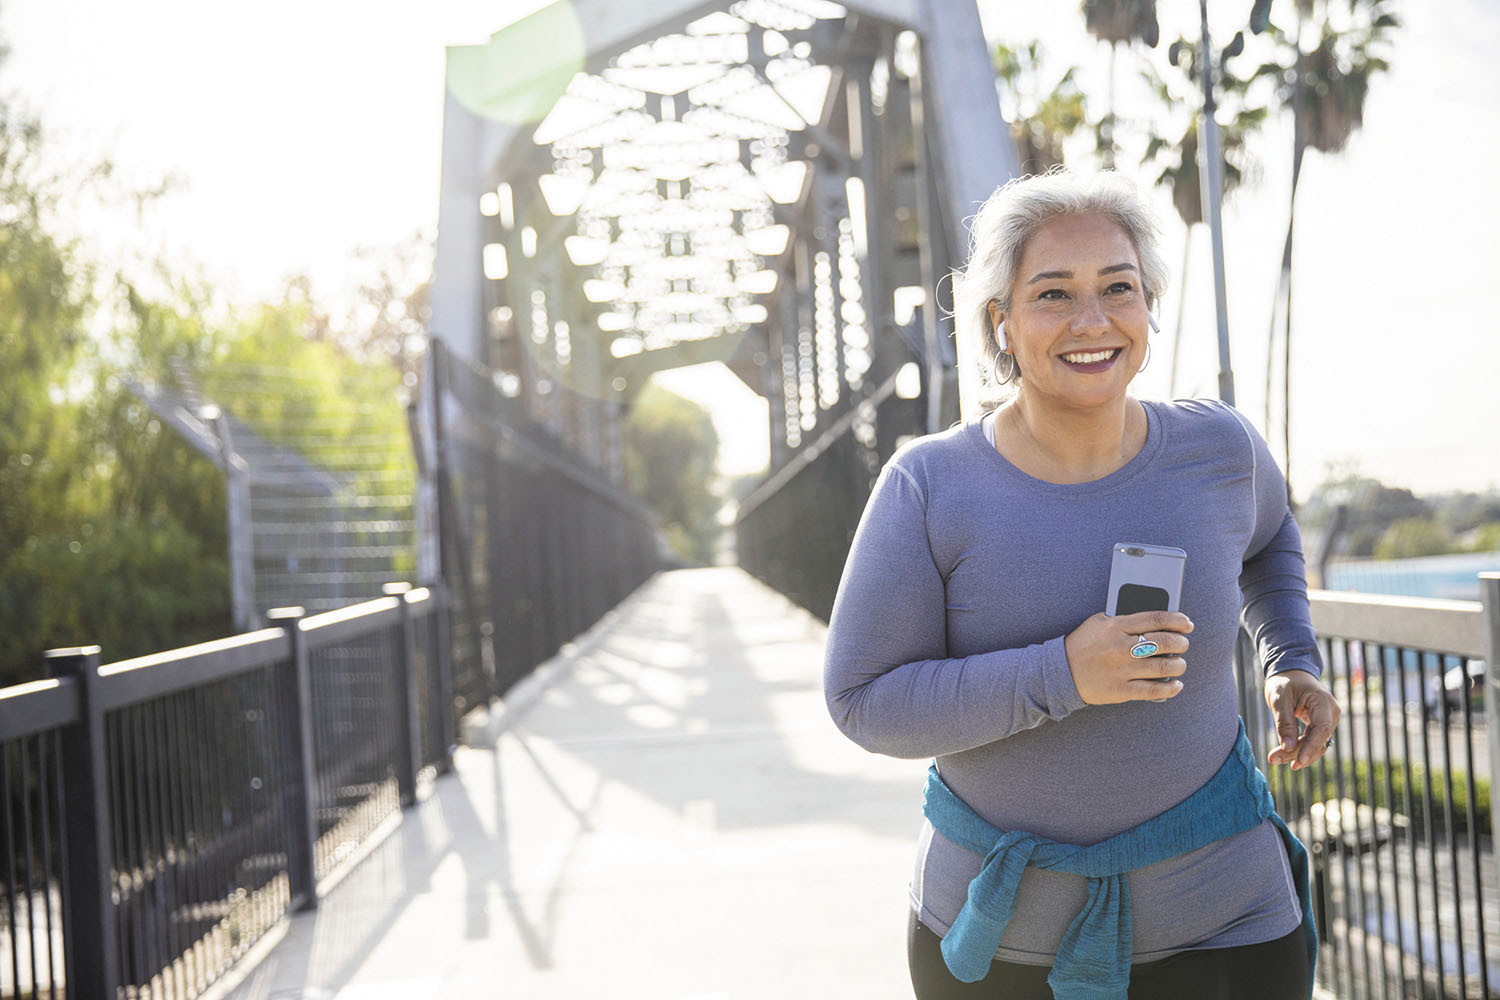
(1134,551)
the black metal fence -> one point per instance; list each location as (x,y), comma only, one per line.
(1398,817)
(161,814)
(536,544)
(794,531)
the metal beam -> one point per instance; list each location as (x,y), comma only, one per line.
(911,14)
(977,152)
(456,300)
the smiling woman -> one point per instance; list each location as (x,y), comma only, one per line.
(1091,778)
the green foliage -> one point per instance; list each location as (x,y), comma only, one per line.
(1485,538)
(1414,801)
(670,447)
(1323,64)
(1369,509)
(1414,536)
(1117,21)
(1040,121)
(1173,145)
(118,540)
(1468,512)
(112,529)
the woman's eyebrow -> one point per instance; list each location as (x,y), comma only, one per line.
(1051,275)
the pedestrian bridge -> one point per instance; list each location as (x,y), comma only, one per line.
(659,808)
(663,810)
(555,771)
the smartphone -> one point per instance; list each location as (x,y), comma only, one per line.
(1144,578)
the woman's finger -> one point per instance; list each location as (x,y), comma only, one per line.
(1143,689)
(1161,668)
(1154,621)
(1149,644)
(1323,718)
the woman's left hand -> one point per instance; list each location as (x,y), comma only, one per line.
(1298,695)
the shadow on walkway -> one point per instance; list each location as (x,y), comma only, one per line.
(665,811)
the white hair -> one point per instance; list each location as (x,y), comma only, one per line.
(1008,220)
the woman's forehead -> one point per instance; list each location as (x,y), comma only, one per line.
(1079,236)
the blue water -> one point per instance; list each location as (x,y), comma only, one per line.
(1452,577)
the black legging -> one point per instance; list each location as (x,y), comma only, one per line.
(1275,970)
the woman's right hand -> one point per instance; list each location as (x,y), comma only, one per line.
(1104,671)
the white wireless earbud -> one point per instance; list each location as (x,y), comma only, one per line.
(1000,335)
(1152,319)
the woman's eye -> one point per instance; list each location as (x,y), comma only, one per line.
(1053,293)
(1121,288)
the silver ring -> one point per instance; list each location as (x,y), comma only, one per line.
(1143,647)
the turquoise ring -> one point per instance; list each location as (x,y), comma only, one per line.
(1143,647)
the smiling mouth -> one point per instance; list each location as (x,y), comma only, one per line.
(1091,357)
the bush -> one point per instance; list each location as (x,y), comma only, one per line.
(1414,803)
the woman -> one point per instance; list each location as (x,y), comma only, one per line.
(1102,803)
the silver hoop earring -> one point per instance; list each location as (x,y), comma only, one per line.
(1148,359)
(1011,368)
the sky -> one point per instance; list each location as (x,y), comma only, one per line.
(297,132)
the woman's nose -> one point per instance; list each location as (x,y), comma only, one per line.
(1090,316)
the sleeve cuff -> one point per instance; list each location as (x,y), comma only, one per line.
(1282,668)
(1063,698)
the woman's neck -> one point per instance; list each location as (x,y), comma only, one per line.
(1069,446)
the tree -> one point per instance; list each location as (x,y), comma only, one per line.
(670,448)
(1322,70)
(388,319)
(1411,537)
(1360,510)
(1174,145)
(43,301)
(1039,123)
(112,528)
(1118,22)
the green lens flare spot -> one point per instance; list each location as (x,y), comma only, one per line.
(525,67)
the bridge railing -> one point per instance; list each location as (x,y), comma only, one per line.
(162,814)
(794,531)
(537,544)
(1398,816)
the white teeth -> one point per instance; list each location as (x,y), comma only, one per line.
(1088,357)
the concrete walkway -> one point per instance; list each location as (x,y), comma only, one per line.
(664,811)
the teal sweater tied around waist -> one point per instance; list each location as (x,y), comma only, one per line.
(1093,959)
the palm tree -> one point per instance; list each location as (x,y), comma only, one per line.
(1117,22)
(1175,148)
(1039,123)
(1323,72)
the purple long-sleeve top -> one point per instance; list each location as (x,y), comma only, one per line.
(946,641)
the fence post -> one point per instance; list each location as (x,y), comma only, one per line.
(93,940)
(440,680)
(1489,593)
(300,781)
(408,710)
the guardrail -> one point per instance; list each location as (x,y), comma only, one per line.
(793,532)
(162,814)
(1398,816)
(536,543)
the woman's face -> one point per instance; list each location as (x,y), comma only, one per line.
(1078,320)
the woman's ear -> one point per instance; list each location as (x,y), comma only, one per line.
(997,321)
